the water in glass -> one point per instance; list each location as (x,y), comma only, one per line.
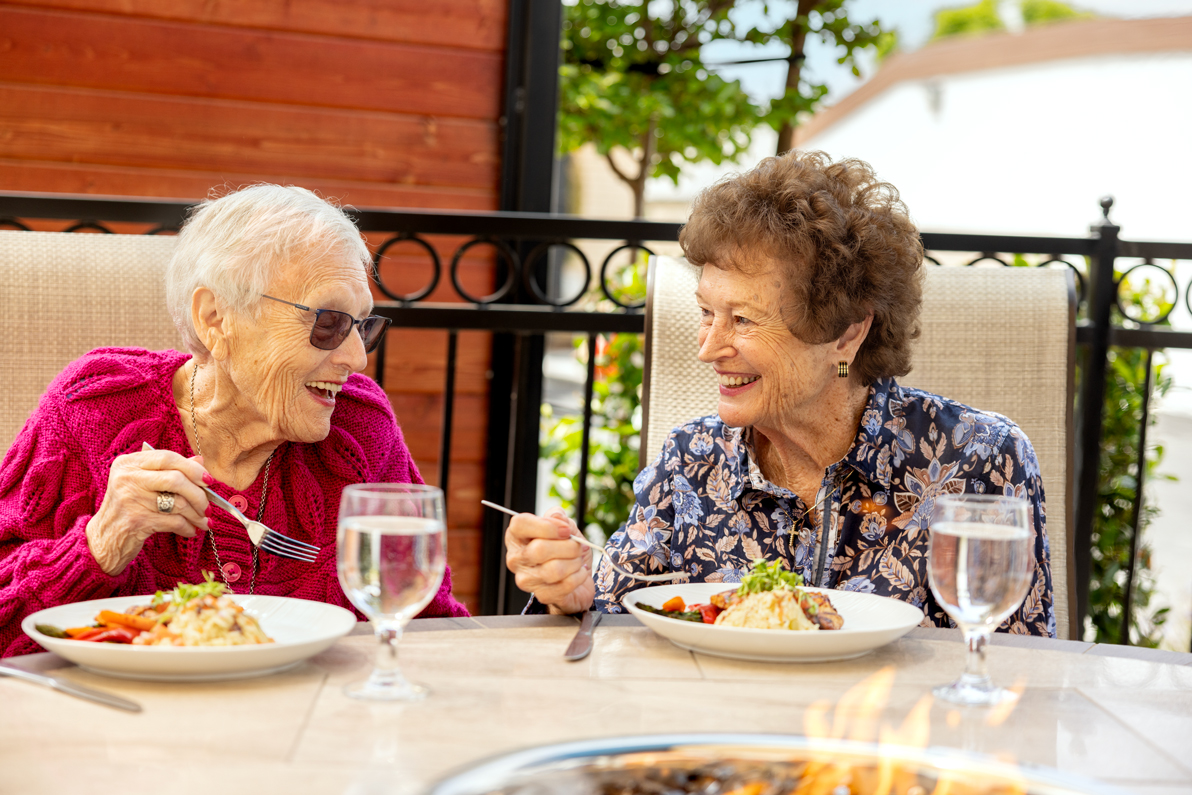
(392,565)
(981,572)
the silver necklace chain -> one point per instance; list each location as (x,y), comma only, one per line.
(194,421)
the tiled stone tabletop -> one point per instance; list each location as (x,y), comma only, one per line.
(1123,716)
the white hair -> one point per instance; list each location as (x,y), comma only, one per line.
(236,246)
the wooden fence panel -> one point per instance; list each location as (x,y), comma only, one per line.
(376,103)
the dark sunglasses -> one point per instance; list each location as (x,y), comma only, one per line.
(332,327)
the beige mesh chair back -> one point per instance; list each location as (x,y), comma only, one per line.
(66,294)
(998,339)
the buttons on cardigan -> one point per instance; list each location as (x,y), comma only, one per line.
(239,502)
(231,572)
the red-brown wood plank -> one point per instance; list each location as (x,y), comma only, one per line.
(472,24)
(464,492)
(377,103)
(421,420)
(171,58)
(27,176)
(463,554)
(120,129)
(415,361)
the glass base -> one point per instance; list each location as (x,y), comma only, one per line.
(386,688)
(974,694)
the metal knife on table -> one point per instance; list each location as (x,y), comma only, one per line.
(70,688)
(581,644)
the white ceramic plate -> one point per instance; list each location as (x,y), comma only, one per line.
(869,622)
(299,628)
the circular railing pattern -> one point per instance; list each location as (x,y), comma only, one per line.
(417,295)
(1144,293)
(532,284)
(516,270)
(507,255)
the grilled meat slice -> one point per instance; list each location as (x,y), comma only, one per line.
(819,609)
(724,598)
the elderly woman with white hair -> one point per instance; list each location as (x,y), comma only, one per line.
(269,288)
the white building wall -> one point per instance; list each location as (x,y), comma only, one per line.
(1032,149)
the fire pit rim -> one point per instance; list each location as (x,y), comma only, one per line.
(486,774)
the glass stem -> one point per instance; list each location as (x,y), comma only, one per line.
(975,674)
(386,671)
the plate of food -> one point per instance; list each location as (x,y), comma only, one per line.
(196,633)
(771,617)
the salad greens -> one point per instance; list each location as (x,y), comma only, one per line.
(769,577)
(185,592)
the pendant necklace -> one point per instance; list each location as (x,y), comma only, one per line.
(260,510)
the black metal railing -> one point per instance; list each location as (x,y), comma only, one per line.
(521,310)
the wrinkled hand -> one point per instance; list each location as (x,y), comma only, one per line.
(129,515)
(545,562)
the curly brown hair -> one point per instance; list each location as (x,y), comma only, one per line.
(844,239)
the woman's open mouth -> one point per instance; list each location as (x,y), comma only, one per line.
(324,390)
(736,384)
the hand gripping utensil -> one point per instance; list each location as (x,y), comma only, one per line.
(70,688)
(581,644)
(265,539)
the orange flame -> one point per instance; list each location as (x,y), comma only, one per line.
(856,717)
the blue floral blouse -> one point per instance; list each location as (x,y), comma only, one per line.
(704,507)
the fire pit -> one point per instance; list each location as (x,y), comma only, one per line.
(741,764)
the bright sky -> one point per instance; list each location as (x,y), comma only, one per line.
(914,20)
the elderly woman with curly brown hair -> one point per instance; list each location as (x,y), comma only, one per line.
(810,291)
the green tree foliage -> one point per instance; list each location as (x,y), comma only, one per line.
(828,21)
(980,18)
(984,17)
(1039,12)
(633,79)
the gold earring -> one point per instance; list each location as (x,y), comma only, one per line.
(842,370)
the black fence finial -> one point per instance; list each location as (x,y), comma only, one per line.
(1106,206)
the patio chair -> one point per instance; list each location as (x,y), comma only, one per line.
(999,339)
(67,293)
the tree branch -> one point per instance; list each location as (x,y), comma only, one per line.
(616,169)
(786,135)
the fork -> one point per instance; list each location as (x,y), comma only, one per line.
(263,538)
(608,558)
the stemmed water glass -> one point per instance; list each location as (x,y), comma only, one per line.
(980,564)
(391,556)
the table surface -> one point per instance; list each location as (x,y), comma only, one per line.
(1119,715)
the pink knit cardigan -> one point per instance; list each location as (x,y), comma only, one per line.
(108,403)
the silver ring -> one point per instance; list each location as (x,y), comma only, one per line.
(165,501)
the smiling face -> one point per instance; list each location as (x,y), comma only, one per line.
(768,376)
(279,377)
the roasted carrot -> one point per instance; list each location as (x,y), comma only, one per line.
(674,605)
(124,619)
